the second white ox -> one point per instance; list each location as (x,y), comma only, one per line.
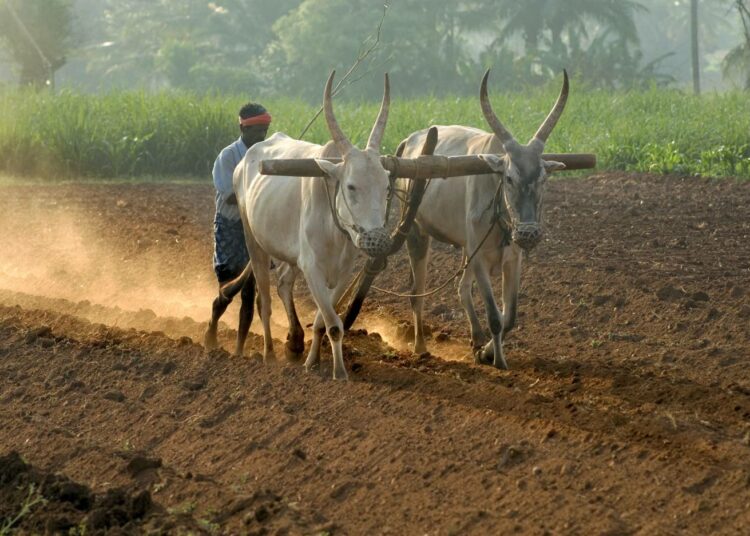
(316,225)
(495,215)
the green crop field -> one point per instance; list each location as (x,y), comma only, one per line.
(135,134)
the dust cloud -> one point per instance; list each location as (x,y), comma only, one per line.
(62,255)
(55,256)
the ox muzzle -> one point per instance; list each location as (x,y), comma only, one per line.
(375,242)
(527,235)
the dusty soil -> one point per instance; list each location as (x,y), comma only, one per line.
(626,409)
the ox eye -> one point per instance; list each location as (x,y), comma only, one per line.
(350,187)
(510,180)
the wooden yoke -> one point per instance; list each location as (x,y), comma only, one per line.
(423,167)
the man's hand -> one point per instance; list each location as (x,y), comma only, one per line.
(232,200)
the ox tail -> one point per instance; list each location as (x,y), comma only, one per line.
(230,289)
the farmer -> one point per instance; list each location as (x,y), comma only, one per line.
(230,254)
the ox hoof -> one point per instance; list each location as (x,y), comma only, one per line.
(210,342)
(340,376)
(292,355)
(484,355)
(501,364)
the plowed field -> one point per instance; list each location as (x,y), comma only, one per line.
(626,409)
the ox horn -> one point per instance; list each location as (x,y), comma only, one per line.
(549,123)
(379,127)
(492,119)
(339,138)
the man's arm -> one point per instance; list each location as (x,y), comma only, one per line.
(222,175)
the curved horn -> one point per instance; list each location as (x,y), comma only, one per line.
(379,128)
(546,129)
(339,138)
(495,124)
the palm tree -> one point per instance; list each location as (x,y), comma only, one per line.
(738,59)
(37,36)
(533,18)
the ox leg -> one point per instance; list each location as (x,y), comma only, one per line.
(326,299)
(465,294)
(418,244)
(246,315)
(261,262)
(512,259)
(295,339)
(210,340)
(494,318)
(313,357)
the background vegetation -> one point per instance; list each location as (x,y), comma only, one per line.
(114,88)
(136,133)
(287,47)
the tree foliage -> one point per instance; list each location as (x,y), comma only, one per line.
(737,61)
(439,47)
(190,44)
(571,19)
(442,46)
(37,37)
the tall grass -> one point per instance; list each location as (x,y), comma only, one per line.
(135,134)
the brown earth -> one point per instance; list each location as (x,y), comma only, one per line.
(626,409)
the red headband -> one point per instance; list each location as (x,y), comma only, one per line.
(262,119)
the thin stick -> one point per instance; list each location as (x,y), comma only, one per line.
(362,55)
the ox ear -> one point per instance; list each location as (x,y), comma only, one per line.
(553,165)
(496,163)
(329,168)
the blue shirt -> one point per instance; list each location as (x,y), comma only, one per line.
(224,166)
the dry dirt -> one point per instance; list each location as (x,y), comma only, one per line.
(626,409)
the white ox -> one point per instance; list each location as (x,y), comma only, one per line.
(315,225)
(461,212)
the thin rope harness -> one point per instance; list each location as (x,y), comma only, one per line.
(496,219)
(332,203)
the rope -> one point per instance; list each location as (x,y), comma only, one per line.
(332,205)
(462,269)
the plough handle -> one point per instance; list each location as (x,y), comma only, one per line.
(375,266)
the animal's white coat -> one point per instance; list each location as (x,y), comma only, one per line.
(290,219)
(460,212)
